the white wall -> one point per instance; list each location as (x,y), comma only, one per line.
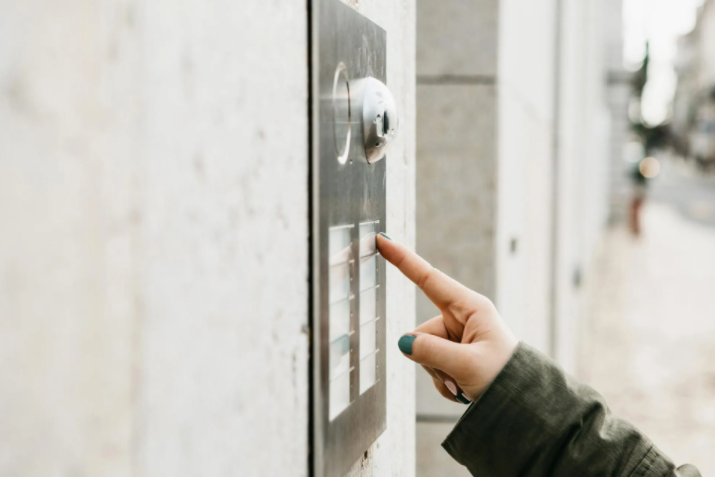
(583,164)
(527,84)
(153,254)
(224,244)
(525,115)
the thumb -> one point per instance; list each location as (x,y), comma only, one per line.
(433,351)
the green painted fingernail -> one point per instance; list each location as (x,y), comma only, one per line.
(405,343)
(462,398)
(386,236)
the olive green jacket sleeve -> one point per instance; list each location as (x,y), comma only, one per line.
(535,420)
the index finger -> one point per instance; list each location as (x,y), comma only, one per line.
(441,289)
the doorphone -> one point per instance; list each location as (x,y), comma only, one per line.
(354,122)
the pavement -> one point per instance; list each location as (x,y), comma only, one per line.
(690,193)
(648,337)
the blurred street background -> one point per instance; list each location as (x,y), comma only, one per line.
(648,340)
(648,336)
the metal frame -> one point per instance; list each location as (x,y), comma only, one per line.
(343,194)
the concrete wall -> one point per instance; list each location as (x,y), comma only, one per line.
(153,259)
(526,104)
(583,164)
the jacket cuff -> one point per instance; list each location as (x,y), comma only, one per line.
(466,443)
(534,417)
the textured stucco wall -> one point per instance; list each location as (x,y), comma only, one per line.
(223,261)
(153,254)
(70,214)
(527,162)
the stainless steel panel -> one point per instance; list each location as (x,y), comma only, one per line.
(347,192)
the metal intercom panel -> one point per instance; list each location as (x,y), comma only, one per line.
(353,122)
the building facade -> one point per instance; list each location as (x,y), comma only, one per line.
(693,123)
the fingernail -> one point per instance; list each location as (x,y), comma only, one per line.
(451,386)
(405,343)
(386,236)
(462,398)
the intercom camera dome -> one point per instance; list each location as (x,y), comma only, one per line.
(379,117)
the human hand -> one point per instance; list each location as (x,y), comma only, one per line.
(465,347)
